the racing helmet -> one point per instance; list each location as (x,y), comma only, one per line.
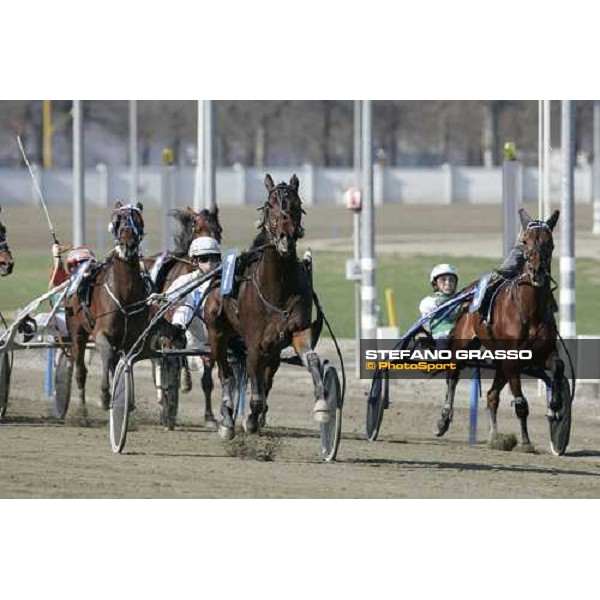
(204,246)
(79,255)
(442,269)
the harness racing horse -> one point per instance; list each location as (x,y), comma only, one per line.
(192,225)
(6,259)
(522,317)
(117,312)
(272,309)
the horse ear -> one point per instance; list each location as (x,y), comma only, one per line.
(140,206)
(524,217)
(551,222)
(269,182)
(295,183)
(215,211)
(118,204)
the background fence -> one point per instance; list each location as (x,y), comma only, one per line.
(318,185)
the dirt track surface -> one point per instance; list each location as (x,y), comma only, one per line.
(42,458)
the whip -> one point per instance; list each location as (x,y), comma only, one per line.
(37,188)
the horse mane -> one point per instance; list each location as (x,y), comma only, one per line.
(184,237)
(259,240)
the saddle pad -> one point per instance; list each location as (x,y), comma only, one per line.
(480,292)
(228,272)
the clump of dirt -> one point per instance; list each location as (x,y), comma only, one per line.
(503,441)
(262,447)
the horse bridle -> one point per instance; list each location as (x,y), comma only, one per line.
(4,244)
(271,224)
(129,223)
(544,253)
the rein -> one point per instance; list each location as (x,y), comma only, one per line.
(285,314)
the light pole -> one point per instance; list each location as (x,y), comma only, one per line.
(78,176)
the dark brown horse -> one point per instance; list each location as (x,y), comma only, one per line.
(116,313)
(6,259)
(271,309)
(522,317)
(192,225)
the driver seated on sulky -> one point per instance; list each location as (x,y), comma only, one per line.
(205,255)
(61,272)
(444,281)
(75,257)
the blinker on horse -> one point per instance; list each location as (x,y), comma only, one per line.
(6,259)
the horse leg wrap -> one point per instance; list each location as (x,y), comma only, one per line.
(314,366)
(521,407)
(226,398)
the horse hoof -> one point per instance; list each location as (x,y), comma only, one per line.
(250,426)
(226,433)
(442,426)
(210,423)
(320,412)
(526,448)
(169,428)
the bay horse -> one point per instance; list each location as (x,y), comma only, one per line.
(6,259)
(193,224)
(522,317)
(116,312)
(271,309)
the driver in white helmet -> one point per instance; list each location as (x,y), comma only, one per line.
(444,280)
(205,255)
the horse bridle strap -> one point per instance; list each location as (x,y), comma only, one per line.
(125,310)
(129,223)
(285,314)
(3,245)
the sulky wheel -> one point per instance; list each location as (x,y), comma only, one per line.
(5,368)
(377,401)
(560,427)
(62,384)
(5,372)
(121,403)
(331,432)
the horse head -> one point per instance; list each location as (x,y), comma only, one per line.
(127,227)
(6,259)
(195,224)
(282,214)
(537,247)
(206,223)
